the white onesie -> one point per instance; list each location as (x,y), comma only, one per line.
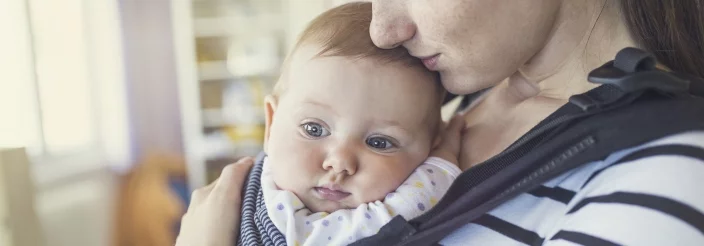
(420,192)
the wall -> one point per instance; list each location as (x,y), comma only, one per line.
(151,77)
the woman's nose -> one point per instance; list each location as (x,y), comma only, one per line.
(389,27)
(341,160)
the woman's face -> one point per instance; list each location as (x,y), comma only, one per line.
(473,44)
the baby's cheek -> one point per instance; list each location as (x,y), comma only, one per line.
(284,176)
(293,173)
(295,162)
(377,186)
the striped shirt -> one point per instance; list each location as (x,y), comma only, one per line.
(651,194)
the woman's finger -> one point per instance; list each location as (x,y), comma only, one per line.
(213,216)
(229,185)
(202,193)
(199,195)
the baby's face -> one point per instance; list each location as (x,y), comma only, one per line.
(347,132)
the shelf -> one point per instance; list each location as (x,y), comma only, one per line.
(213,70)
(216,26)
(218,146)
(212,118)
(229,50)
(215,118)
(218,71)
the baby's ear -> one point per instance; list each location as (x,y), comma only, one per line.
(270,104)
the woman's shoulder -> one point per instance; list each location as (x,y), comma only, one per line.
(661,157)
(656,183)
(692,138)
(671,167)
(644,195)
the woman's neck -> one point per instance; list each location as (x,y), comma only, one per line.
(586,34)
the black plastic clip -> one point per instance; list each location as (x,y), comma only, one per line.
(633,70)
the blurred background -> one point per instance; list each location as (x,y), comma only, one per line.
(112,111)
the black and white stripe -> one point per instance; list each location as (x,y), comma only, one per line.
(673,149)
(648,195)
(256,227)
(509,230)
(555,193)
(581,238)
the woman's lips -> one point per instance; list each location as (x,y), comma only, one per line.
(430,62)
(331,194)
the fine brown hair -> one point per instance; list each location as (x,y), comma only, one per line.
(344,31)
(673,30)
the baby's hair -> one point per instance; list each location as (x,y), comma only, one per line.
(344,31)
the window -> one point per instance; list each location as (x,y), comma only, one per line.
(62,92)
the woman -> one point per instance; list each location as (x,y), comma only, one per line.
(534,55)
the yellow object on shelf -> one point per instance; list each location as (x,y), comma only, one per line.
(245,133)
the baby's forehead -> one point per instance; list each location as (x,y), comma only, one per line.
(308,58)
(365,72)
(307,61)
(388,91)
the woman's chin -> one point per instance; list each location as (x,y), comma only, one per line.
(464,84)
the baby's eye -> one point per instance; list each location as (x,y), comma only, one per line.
(315,130)
(380,143)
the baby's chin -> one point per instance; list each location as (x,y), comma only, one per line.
(317,206)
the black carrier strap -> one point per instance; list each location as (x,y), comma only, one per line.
(635,103)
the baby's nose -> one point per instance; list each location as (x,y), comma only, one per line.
(341,161)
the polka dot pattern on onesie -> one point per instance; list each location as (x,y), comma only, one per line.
(418,194)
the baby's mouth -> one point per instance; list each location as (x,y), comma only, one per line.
(330,193)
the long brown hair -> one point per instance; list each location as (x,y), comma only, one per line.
(673,30)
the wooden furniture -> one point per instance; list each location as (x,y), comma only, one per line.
(148,210)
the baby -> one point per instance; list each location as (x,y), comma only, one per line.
(349,132)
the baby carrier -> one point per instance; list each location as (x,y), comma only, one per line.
(634,104)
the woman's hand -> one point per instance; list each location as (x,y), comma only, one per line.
(213,216)
(449,146)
